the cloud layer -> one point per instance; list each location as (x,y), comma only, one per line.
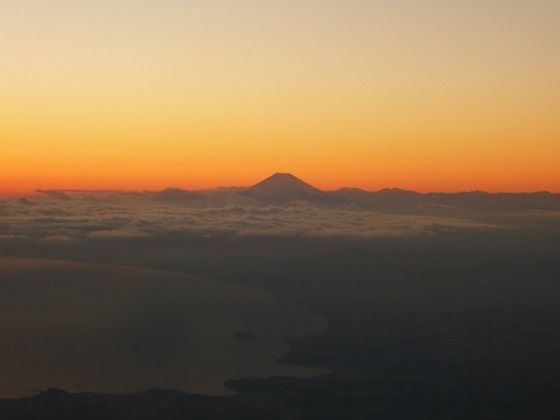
(56,218)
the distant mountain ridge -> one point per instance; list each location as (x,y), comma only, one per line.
(283,186)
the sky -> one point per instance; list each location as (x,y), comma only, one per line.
(429,96)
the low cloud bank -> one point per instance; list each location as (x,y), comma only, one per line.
(60,219)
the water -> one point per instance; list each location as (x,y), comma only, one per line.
(86,327)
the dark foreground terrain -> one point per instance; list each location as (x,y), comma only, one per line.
(455,324)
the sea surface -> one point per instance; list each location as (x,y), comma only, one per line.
(100,328)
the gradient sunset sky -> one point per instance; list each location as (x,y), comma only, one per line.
(144,95)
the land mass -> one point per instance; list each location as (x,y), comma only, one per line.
(287,189)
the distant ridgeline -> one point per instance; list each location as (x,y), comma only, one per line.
(287,189)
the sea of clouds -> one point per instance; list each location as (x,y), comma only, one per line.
(57,216)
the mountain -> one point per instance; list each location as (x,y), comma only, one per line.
(282,187)
(396,200)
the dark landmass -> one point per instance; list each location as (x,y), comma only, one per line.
(282,188)
(244,335)
(285,189)
(462,325)
(398,200)
(56,404)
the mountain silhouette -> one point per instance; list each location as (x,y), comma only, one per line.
(282,187)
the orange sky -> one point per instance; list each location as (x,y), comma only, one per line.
(423,96)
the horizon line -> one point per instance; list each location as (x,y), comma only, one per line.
(218,187)
(41,191)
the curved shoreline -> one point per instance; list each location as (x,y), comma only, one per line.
(272,342)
